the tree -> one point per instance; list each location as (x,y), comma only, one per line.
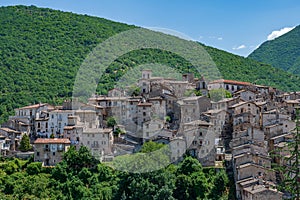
(168,119)
(291,170)
(76,160)
(219,94)
(191,182)
(188,166)
(134,90)
(25,143)
(220,184)
(34,168)
(151,146)
(111,122)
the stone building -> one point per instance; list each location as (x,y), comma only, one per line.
(98,140)
(50,151)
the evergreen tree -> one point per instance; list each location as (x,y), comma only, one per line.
(25,143)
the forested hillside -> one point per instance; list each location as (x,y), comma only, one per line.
(282,52)
(41,51)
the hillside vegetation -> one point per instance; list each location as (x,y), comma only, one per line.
(282,52)
(41,51)
(80,176)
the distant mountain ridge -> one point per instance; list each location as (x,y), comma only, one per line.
(282,52)
(42,49)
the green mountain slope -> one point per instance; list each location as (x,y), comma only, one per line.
(41,51)
(282,52)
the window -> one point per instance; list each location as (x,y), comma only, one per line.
(259,173)
(200,133)
(53,153)
(37,153)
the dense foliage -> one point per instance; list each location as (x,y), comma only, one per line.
(41,51)
(282,52)
(80,176)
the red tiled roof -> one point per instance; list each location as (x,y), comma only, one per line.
(52,141)
(32,106)
(233,82)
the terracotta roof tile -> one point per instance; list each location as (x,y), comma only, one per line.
(233,82)
(32,106)
(52,141)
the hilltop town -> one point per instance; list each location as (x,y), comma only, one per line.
(239,131)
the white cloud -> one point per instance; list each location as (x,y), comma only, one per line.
(280,32)
(220,38)
(239,47)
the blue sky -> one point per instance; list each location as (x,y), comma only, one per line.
(237,26)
